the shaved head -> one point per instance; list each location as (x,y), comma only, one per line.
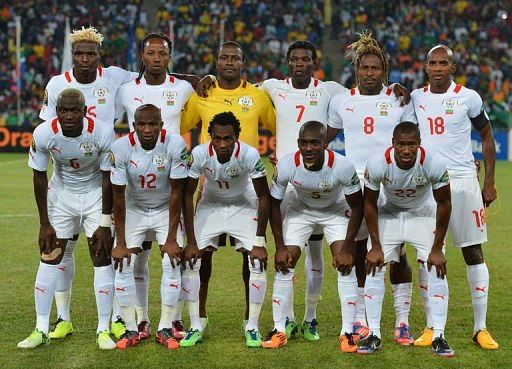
(317,128)
(149,108)
(445,48)
(71,93)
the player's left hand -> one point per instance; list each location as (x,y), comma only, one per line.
(489,194)
(400,90)
(436,258)
(204,85)
(102,238)
(343,262)
(374,260)
(172,249)
(259,253)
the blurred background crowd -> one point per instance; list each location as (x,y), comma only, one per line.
(480,33)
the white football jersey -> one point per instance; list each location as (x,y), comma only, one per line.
(77,161)
(406,189)
(445,125)
(229,181)
(147,173)
(295,106)
(316,189)
(99,94)
(368,122)
(170,97)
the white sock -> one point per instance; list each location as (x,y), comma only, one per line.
(141,275)
(283,289)
(65,281)
(170,288)
(104,291)
(373,296)
(190,286)
(423,273)
(478,278)
(361,310)
(178,309)
(314,271)
(438,298)
(257,290)
(46,283)
(126,294)
(116,309)
(402,294)
(347,292)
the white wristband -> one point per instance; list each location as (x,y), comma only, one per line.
(259,241)
(106,220)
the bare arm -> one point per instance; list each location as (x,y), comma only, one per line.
(355,201)
(188,210)
(47,236)
(444,207)
(263,193)
(102,237)
(332,133)
(276,222)
(190,78)
(175,205)
(489,153)
(375,257)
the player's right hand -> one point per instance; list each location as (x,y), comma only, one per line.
(172,249)
(374,260)
(47,239)
(190,254)
(343,262)
(437,259)
(119,253)
(204,85)
(282,260)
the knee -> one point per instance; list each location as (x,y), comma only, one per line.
(54,257)
(473,255)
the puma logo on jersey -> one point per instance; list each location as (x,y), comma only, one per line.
(230,102)
(282,96)
(57,149)
(298,183)
(422,107)
(139,100)
(350,109)
(104,292)
(134,163)
(209,170)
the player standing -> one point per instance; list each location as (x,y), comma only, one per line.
(154,85)
(324,183)
(150,166)
(236,201)
(367,114)
(251,107)
(408,176)
(446,111)
(79,195)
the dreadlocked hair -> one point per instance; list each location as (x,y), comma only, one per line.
(368,45)
(148,37)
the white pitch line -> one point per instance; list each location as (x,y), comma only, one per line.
(9,162)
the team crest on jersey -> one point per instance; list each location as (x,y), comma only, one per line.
(419,179)
(101,94)
(326,186)
(383,107)
(355,179)
(87,148)
(246,102)
(234,171)
(185,157)
(313,96)
(169,96)
(445,177)
(450,105)
(160,161)
(112,159)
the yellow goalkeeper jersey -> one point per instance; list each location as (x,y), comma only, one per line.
(250,105)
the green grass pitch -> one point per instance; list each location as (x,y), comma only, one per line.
(224,343)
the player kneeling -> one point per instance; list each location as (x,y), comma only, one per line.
(150,165)
(324,183)
(230,204)
(409,176)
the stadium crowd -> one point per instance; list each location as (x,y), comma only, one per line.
(479,32)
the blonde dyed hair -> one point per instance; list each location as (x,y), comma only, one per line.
(89,34)
(368,45)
